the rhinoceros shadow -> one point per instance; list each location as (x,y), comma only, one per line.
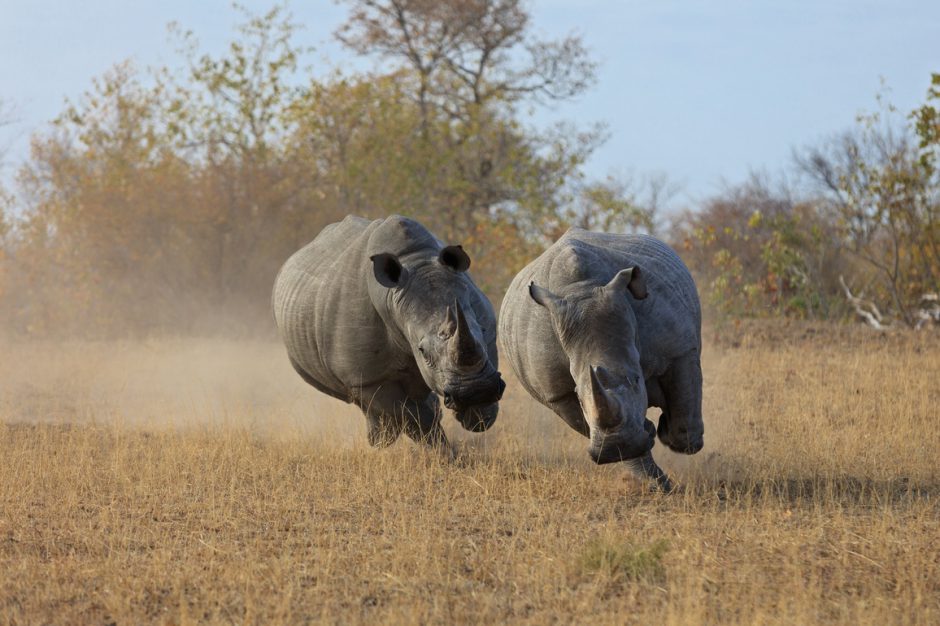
(728,481)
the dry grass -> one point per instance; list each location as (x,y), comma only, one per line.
(181,481)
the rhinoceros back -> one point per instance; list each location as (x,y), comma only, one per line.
(670,320)
(663,267)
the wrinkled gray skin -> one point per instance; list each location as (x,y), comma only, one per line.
(382,315)
(600,327)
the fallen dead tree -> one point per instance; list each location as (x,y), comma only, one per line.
(866,309)
(927,315)
(929,312)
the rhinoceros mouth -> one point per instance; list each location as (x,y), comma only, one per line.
(614,449)
(475,394)
(477,419)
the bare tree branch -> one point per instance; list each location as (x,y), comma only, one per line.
(866,309)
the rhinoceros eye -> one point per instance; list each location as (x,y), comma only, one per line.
(424,355)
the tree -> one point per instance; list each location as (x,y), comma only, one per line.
(230,115)
(466,54)
(880,184)
(862,237)
(6,201)
(926,121)
(5,228)
(621,204)
(757,250)
(168,200)
(467,65)
(99,219)
(360,144)
(7,117)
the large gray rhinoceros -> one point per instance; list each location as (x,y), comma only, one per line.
(382,315)
(600,327)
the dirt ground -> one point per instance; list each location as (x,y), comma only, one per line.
(179,481)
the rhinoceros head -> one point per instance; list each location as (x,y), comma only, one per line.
(431,301)
(598,331)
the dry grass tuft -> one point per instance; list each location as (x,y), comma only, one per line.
(619,561)
(202,481)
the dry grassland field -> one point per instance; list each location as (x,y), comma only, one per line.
(181,481)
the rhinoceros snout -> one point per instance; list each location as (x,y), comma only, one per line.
(616,449)
(474,394)
(476,406)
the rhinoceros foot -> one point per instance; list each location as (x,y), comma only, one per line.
(678,439)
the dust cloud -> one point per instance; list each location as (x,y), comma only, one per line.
(248,384)
(188,383)
(167,383)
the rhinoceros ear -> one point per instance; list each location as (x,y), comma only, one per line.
(388,270)
(546,298)
(631,279)
(455,258)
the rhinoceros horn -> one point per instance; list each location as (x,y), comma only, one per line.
(449,327)
(464,347)
(607,417)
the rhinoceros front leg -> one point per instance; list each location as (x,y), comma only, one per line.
(644,468)
(389,410)
(423,424)
(680,426)
(382,406)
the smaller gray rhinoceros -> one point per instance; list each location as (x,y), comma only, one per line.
(381,314)
(599,328)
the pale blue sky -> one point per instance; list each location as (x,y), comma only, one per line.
(701,90)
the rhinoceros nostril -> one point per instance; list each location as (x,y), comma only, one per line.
(448,400)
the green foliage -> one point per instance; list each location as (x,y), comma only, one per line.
(464,68)
(757,252)
(235,104)
(927,126)
(616,560)
(872,218)
(610,206)
(881,187)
